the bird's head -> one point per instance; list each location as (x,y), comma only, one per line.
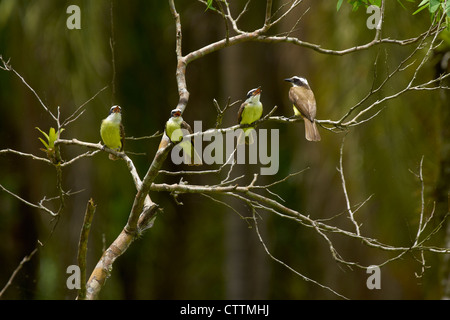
(298,81)
(115,114)
(115,109)
(254,92)
(176,113)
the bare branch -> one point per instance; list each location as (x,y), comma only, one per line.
(16,271)
(344,187)
(289,267)
(39,206)
(140,218)
(181,62)
(76,114)
(82,246)
(7,66)
(27,155)
(157,134)
(304,220)
(268,13)
(81,156)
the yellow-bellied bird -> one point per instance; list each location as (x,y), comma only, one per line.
(304,105)
(174,130)
(112,131)
(250,111)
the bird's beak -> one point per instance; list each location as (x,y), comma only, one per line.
(288,79)
(175,113)
(257,91)
(116,110)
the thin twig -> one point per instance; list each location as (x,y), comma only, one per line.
(40,206)
(7,66)
(75,115)
(344,187)
(289,267)
(16,271)
(28,155)
(82,246)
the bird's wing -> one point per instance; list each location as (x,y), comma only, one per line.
(303,99)
(184,125)
(241,110)
(122,136)
(192,157)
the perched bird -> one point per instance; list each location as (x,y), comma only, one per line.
(174,130)
(250,111)
(304,105)
(112,131)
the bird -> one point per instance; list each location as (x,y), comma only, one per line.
(174,131)
(112,131)
(250,111)
(304,105)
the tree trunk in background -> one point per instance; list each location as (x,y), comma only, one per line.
(246,273)
(442,191)
(26,228)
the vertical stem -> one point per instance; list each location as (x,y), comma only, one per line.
(422,202)
(344,187)
(268,12)
(113,62)
(181,61)
(82,246)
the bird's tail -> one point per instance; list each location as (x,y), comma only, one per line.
(311,131)
(113,157)
(246,132)
(191,156)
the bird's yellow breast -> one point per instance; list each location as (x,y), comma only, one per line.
(173,129)
(110,133)
(251,113)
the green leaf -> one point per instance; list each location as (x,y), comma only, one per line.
(209,4)
(44,143)
(339,4)
(358,3)
(45,135)
(375,2)
(52,137)
(52,134)
(420,9)
(434,5)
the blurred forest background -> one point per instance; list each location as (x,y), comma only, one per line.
(204,250)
